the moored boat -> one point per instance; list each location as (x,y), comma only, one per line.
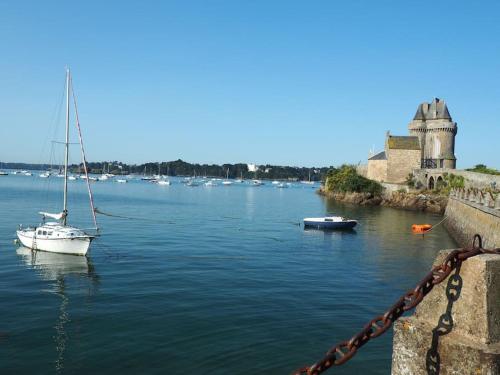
(257,183)
(57,236)
(192,183)
(329,222)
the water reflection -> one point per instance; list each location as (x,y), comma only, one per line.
(52,266)
(387,243)
(58,268)
(330,232)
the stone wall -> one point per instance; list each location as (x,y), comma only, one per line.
(362,170)
(478,180)
(472,179)
(469,212)
(377,170)
(400,163)
(456,328)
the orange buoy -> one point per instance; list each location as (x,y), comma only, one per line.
(421,228)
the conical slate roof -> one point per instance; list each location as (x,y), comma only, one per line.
(438,110)
(434,111)
(443,111)
(420,113)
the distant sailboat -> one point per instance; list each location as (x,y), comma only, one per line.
(210,183)
(3,173)
(240,180)
(161,181)
(226,182)
(57,236)
(255,181)
(309,182)
(145,177)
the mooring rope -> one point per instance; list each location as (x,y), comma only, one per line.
(434,226)
(97,211)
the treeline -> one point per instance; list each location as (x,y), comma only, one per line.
(27,166)
(182,168)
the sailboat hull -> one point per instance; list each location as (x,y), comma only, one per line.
(73,246)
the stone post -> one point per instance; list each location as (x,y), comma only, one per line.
(456,328)
(497,202)
(487,199)
(472,196)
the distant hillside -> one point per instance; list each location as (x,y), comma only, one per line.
(182,168)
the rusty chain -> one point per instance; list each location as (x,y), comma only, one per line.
(345,350)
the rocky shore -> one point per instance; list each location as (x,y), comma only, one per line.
(408,201)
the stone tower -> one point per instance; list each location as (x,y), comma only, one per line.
(436,132)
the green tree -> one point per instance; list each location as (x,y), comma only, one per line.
(346,179)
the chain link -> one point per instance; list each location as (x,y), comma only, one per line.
(345,350)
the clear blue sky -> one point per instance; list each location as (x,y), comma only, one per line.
(281,82)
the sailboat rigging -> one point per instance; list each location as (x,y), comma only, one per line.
(57,236)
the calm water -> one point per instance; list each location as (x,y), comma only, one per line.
(206,281)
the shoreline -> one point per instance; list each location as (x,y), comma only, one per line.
(431,203)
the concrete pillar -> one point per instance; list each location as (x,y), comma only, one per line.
(456,328)
(497,202)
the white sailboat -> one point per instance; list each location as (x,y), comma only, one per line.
(308,182)
(226,182)
(211,183)
(57,236)
(240,180)
(160,180)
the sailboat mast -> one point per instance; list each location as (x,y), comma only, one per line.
(66,152)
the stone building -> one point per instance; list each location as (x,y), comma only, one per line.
(431,144)
(436,131)
(402,154)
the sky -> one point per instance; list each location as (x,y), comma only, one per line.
(305,83)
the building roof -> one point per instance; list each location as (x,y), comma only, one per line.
(420,115)
(403,142)
(379,156)
(435,111)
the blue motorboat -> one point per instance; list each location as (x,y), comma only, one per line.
(329,222)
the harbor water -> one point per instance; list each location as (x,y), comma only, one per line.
(201,280)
